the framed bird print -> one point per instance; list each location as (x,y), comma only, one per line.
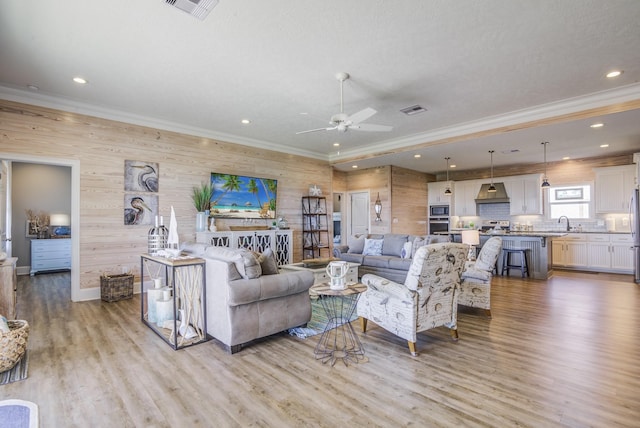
(140,176)
(140,209)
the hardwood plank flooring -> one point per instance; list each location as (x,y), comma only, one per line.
(563,352)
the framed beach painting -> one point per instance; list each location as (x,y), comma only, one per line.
(243,197)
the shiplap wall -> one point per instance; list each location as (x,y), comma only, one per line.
(408,201)
(101,146)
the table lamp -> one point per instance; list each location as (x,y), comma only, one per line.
(471,238)
(60,224)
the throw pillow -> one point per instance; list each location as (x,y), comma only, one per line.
(268,262)
(356,244)
(420,241)
(4,326)
(252,267)
(406,250)
(372,247)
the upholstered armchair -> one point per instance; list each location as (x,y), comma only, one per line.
(427,299)
(475,288)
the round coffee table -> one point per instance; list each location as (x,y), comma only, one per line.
(339,340)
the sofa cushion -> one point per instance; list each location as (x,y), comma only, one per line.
(393,243)
(377,261)
(268,262)
(352,257)
(356,244)
(400,264)
(244,291)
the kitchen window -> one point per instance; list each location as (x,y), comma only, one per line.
(572,201)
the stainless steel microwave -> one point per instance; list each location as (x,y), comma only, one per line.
(439,211)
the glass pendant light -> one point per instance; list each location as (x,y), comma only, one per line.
(448,191)
(545,180)
(491,188)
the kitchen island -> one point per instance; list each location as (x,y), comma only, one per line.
(538,244)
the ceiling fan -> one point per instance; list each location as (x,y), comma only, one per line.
(343,122)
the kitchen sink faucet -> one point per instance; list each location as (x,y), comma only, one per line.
(566,218)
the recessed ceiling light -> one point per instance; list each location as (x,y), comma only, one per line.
(336,144)
(245,121)
(417,156)
(80,80)
(614,73)
(452,166)
(604,145)
(354,166)
(566,158)
(597,125)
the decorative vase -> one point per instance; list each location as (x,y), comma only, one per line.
(201,222)
(212,226)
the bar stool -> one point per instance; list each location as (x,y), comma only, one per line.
(508,263)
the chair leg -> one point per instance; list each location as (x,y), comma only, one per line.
(412,348)
(454,333)
(363,324)
(488,312)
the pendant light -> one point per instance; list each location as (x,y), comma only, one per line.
(448,190)
(491,188)
(545,180)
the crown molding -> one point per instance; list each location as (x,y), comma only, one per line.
(555,109)
(71,106)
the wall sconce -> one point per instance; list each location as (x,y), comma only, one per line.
(471,238)
(378,208)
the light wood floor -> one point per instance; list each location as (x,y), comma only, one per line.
(563,352)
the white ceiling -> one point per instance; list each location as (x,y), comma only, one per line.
(475,65)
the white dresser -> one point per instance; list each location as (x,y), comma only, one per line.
(280,241)
(50,254)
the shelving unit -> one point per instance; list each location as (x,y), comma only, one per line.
(315,227)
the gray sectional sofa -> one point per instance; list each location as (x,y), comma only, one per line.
(388,255)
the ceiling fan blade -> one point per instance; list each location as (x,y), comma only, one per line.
(372,127)
(315,130)
(361,116)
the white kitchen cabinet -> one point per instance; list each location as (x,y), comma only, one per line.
(525,194)
(435,193)
(570,251)
(613,188)
(465,197)
(599,251)
(622,253)
(610,252)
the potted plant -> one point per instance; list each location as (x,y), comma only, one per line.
(201,197)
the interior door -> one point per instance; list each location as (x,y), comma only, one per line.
(5,207)
(359,223)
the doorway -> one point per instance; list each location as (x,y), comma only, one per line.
(8,158)
(358,221)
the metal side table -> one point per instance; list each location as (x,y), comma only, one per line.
(339,340)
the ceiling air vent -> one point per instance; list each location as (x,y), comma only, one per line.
(198,8)
(410,111)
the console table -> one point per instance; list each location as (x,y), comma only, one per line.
(50,255)
(173,299)
(280,241)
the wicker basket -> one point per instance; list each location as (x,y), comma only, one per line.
(13,344)
(116,287)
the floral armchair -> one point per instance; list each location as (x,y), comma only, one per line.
(475,288)
(427,299)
